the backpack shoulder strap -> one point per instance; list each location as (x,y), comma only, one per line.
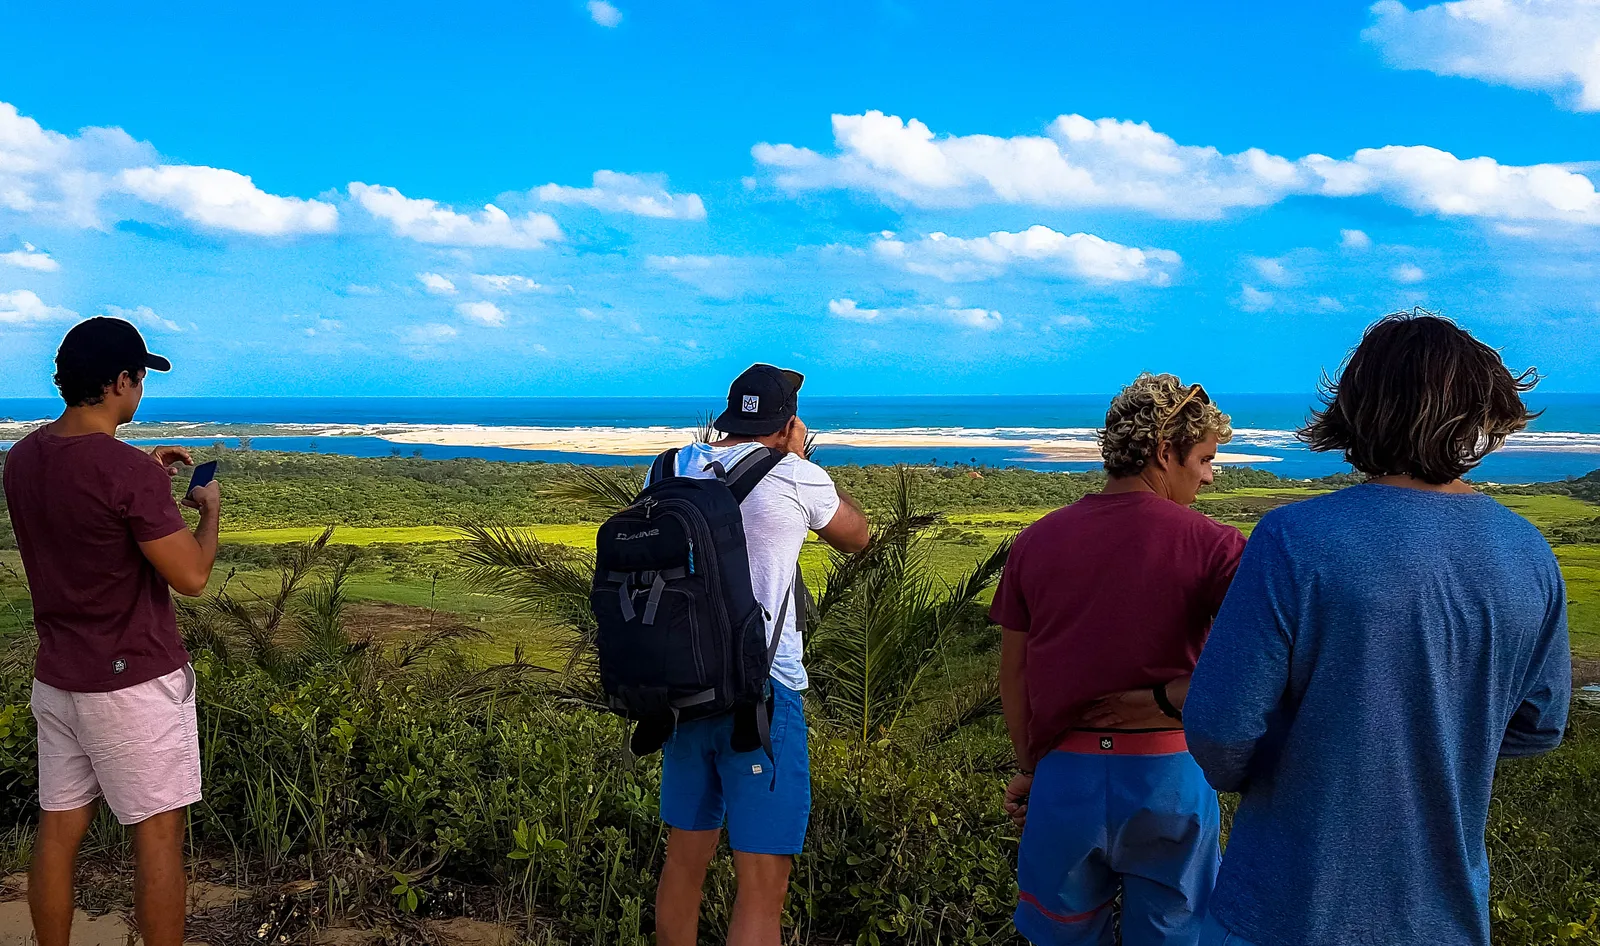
(750,469)
(664,467)
(763,710)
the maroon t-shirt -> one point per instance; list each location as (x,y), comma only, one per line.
(1115,592)
(80,507)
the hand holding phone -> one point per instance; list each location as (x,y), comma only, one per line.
(203,481)
(203,474)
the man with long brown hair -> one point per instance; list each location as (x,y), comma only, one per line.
(1381,647)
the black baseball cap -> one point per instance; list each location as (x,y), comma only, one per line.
(103,347)
(760,401)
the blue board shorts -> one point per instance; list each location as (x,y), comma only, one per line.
(1213,933)
(766,803)
(1126,813)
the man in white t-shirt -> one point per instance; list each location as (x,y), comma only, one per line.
(766,803)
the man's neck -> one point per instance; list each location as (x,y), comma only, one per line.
(735,441)
(1411,482)
(1126,484)
(78,421)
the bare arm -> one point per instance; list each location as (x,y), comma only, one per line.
(1014,700)
(847,531)
(185,559)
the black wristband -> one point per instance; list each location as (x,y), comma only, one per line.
(1165,704)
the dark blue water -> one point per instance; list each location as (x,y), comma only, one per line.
(1264,422)
(1563,412)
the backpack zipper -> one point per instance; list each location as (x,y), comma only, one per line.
(698,529)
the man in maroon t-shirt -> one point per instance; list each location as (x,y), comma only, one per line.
(102,543)
(1105,605)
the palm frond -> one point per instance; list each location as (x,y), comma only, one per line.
(602,489)
(552,581)
(321,636)
(706,430)
(434,639)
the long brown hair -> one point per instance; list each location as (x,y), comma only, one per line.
(1421,397)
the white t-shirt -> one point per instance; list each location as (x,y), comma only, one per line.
(794,498)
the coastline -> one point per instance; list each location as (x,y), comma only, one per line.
(1073,445)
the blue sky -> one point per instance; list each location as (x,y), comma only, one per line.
(627,198)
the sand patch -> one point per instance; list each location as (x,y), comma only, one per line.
(16,927)
(205,896)
(1046,443)
(462,931)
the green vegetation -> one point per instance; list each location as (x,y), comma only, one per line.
(411,714)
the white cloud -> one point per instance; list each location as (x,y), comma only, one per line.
(357,289)
(1545,45)
(71,179)
(484,313)
(1252,299)
(1076,163)
(30,257)
(22,307)
(950,311)
(1329,304)
(430,334)
(1273,271)
(604,13)
(1407,273)
(226,200)
(436,284)
(1124,164)
(144,317)
(1081,255)
(645,195)
(1428,180)
(490,283)
(1354,240)
(847,309)
(427,221)
(61,178)
(986,319)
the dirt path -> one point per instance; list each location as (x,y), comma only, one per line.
(394,623)
(228,911)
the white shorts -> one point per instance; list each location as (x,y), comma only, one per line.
(138,746)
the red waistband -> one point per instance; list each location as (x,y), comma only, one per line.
(1166,742)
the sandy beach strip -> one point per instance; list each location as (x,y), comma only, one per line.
(647,441)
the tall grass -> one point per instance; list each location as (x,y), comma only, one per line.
(393,771)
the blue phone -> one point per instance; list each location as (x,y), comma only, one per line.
(203,474)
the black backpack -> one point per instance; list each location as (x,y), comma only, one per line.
(680,633)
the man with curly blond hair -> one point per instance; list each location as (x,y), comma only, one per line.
(1105,605)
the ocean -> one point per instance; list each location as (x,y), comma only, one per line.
(1564,442)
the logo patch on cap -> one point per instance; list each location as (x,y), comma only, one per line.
(1105,743)
(751,404)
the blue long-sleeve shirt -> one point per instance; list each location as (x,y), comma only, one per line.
(1379,649)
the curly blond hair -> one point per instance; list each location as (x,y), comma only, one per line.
(1156,408)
